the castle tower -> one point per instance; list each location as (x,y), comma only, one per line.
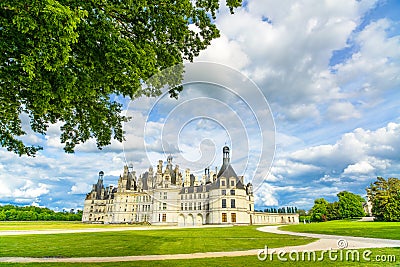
(178,180)
(99,188)
(226,157)
(140,183)
(187,178)
(150,178)
(159,166)
(159,175)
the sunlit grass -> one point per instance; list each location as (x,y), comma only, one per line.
(234,261)
(51,225)
(149,242)
(389,230)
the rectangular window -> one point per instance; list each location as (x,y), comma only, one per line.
(223,192)
(164,217)
(165,195)
(164,206)
(233,203)
(232,192)
(224,218)
(233,217)
(185,206)
(223,203)
(232,182)
(222,183)
(199,206)
(190,206)
(181,206)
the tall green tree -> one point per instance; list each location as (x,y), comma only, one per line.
(65,61)
(384,196)
(350,205)
(333,211)
(319,211)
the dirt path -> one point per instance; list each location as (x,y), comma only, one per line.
(325,242)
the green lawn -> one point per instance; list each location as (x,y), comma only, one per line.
(147,242)
(389,230)
(234,261)
(52,225)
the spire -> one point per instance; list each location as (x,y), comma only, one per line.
(101,175)
(226,168)
(226,157)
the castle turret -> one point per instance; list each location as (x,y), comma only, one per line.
(150,178)
(178,178)
(187,178)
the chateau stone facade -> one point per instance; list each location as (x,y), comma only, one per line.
(166,197)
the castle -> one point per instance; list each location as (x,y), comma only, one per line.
(166,198)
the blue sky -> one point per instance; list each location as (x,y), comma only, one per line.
(330,71)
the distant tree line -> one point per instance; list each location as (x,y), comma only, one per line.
(31,213)
(384,196)
(280,210)
(348,206)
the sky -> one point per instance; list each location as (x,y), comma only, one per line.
(312,109)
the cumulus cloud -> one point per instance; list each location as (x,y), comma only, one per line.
(30,191)
(265,196)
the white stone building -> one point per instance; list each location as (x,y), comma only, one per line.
(165,197)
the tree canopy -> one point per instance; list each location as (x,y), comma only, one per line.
(349,206)
(384,196)
(318,211)
(64,61)
(31,213)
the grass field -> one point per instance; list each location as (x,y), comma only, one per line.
(53,225)
(234,261)
(184,241)
(389,230)
(149,242)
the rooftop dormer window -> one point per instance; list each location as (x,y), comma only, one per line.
(223,182)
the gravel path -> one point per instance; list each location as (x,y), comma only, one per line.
(325,242)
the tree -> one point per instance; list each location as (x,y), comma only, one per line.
(67,60)
(350,205)
(333,211)
(302,212)
(384,196)
(319,210)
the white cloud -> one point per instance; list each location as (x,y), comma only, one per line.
(341,111)
(226,52)
(29,190)
(362,167)
(265,196)
(80,188)
(359,152)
